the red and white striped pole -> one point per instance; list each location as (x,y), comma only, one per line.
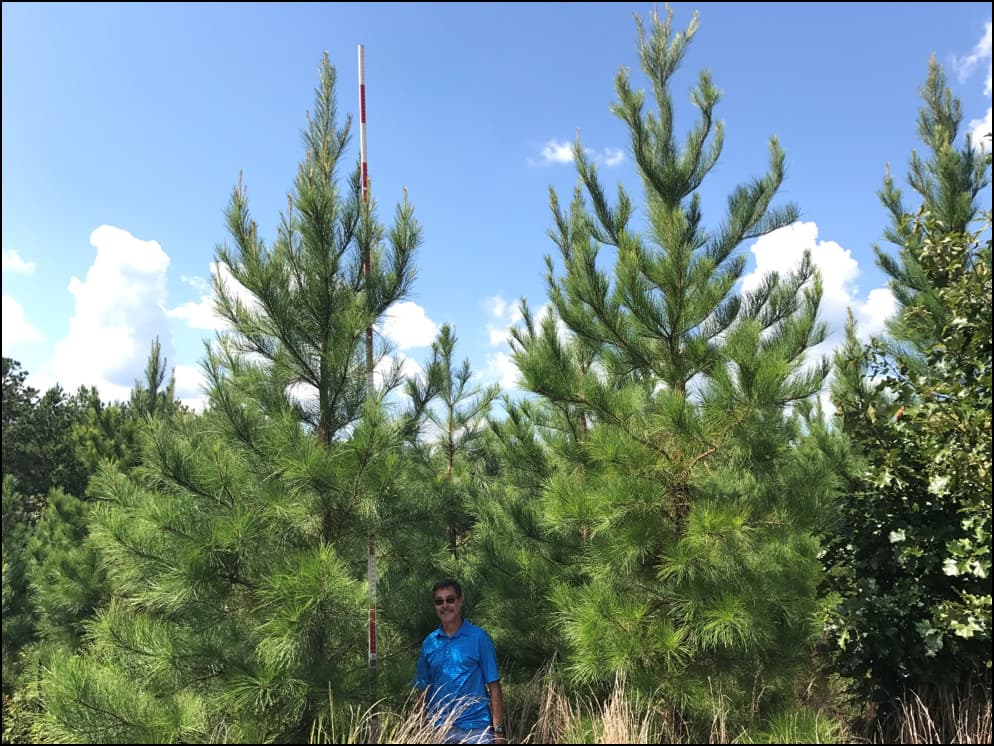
(371,557)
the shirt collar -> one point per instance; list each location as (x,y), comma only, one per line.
(463,629)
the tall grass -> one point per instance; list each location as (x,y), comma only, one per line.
(940,716)
(378,724)
(541,712)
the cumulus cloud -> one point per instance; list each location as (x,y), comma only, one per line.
(120,310)
(501,367)
(406,325)
(781,251)
(503,315)
(16,328)
(981,53)
(12,262)
(556,151)
(191,387)
(979,129)
(409,367)
(201,314)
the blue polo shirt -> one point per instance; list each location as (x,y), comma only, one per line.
(456,670)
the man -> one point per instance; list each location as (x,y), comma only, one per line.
(456,668)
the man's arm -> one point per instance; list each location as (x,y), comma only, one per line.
(497,710)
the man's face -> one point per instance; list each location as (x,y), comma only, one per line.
(448,605)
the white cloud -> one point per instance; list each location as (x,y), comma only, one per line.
(613,156)
(979,129)
(497,335)
(406,324)
(12,262)
(781,251)
(555,151)
(198,314)
(409,367)
(872,314)
(495,306)
(120,310)
(16,328)
(982,51)
(197,282)
(501,367)
(503,315)
(201,314)
(191,387)
(980,132)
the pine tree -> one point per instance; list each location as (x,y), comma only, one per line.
(237,553)
(149,398)
(946,184)
(432,525)
(910,554)
(681,470)
(457,420)
(38,448)
(18,619)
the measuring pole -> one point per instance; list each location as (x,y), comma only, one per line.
(371,558)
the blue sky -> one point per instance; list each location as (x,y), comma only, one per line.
(125,128)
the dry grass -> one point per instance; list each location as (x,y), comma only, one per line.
(939,717)
(380,725)
(541,713)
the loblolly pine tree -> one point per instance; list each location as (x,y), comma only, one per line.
(149,397)
(910,553)
(432,525)
(517,555)
(457,421)
(673,414)
(237,553)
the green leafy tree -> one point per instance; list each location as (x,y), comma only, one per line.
(39,459)
(681,471)
(237,552)
(38,445)
(910,556)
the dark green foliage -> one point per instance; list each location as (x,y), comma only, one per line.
(910,555)
(38,447)
(67,580)
(18,621)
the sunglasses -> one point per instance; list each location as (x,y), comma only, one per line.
(449,600)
